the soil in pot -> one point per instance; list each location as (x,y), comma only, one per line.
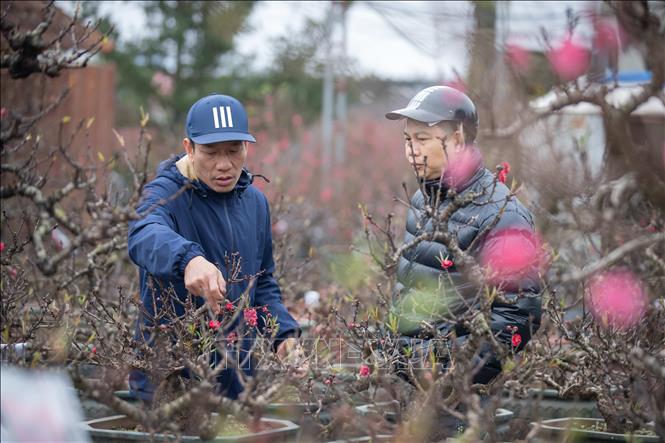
(588,430)
(288,394)
(230,427)
(119,428)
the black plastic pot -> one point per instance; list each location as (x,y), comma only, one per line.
(574,429)
(92,409)
(546,404)
(387,409)
(375,439)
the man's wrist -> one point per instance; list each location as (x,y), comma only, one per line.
(188,257)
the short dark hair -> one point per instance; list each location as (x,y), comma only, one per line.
(192,143)
(450,126)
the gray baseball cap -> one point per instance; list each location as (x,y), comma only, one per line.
(439,103)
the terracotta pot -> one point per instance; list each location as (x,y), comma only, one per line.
(103,430)
(572,429)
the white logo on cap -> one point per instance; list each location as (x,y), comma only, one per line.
(224,114)
(422,95)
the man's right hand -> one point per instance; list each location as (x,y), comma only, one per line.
(202,278)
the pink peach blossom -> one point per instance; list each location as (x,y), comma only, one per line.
(511,254)
(251,317)
(569,60)
(616,298)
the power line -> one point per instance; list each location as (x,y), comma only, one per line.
(423,38)
(408,10)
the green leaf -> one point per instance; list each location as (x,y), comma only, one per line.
(508,365)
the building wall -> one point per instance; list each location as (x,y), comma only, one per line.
(91,94)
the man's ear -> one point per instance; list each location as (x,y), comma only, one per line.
(458,137)
(187,144)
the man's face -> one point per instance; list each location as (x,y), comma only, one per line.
(424,143)
(218,165)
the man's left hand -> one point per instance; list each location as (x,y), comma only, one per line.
(290,351)
(286,347)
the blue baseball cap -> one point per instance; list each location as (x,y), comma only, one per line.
(217,118)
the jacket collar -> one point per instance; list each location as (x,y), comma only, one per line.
(459,176)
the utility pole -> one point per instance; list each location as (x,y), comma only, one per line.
(341,108)
(328,97)
(436,26)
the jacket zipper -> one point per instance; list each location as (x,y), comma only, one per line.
(228,220)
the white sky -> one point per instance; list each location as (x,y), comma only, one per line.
(394,40)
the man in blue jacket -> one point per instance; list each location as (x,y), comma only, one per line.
(186,238)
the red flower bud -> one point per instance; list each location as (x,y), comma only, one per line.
(229,307)
(504,172)
(516,340)
(214,324)
(446,263)
(364,371)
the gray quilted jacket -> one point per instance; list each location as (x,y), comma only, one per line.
(420,267)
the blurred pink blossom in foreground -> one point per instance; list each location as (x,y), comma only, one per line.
(607,33)
(461,167)
(456,83)
(569,60)
(616,298)
(518,57)
(455,95)
(510,255)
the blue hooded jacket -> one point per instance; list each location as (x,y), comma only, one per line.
(200,221)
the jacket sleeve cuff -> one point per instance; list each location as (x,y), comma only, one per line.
(191,253)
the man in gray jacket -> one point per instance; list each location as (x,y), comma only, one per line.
(461,208)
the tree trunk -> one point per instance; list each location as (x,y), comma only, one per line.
(482,72)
